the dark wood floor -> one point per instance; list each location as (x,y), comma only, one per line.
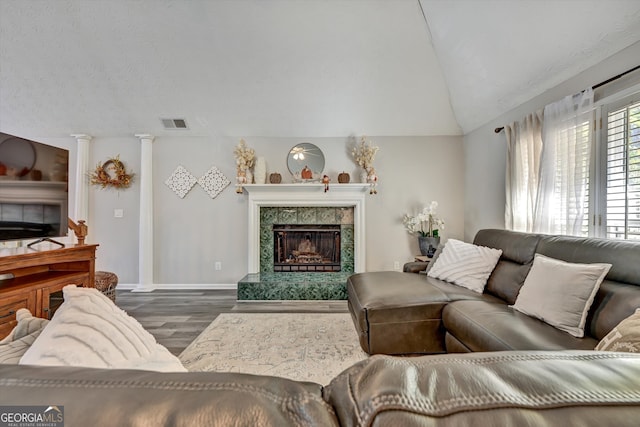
(176,318)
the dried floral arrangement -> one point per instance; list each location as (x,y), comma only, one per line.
(245,156)
(365,153)
(111,173)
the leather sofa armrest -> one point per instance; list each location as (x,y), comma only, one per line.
(415,267)
(501,388)
(117,397)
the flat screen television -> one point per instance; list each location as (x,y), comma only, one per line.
(34,194)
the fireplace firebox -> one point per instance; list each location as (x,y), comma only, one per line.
(306,248)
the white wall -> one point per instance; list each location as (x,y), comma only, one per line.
(117,237)
(190,234)
(485,151)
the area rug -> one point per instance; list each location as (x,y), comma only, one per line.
(301,346)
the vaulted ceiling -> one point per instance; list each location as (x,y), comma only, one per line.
(286,68)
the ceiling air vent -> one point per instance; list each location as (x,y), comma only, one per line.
(174,123)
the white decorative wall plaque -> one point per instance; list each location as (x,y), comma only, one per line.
(213,182)
(181,181)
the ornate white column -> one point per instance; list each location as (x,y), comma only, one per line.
(82,182)
(145,256)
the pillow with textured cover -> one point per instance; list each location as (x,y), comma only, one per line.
(465,264)
(16,344)
(624,337)
(560,293)
(89,330)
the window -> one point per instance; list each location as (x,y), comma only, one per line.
(587,182)
(622,171)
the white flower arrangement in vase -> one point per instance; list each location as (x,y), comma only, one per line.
(426,225)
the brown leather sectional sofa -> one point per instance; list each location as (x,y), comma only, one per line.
(397,313)
(403,313)
(577,388)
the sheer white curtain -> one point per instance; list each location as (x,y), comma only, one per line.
(524,145)
(562,200)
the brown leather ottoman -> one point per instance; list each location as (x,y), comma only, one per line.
(397,313)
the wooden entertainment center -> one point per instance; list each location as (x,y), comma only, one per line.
(31,276)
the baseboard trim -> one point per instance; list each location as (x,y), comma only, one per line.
(177,286)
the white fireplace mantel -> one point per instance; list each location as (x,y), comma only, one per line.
(339,195)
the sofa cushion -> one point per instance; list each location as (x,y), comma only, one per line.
(560,293)
(89,330)
(491,326)
(396,313)
(623,255)
(614,302)
(490,389)
(518,250)
(517,247)
(16,344)
(624,337)
(465,264)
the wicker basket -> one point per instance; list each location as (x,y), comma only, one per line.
(106,283)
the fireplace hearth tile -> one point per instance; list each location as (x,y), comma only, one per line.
(293,286)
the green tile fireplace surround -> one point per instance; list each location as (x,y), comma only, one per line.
(270,285)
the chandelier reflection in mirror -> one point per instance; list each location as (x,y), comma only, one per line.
(306,162)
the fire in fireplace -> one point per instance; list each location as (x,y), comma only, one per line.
(298,247)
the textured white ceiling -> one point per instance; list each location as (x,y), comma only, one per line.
(291,67)
(498,54)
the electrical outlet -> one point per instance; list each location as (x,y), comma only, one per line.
(396,265)
(118,213)
(218,266)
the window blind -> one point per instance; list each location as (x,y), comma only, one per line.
(623,173)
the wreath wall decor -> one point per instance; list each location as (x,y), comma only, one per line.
(111,173)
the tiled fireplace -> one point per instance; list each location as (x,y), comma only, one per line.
(303,242)
(318,224)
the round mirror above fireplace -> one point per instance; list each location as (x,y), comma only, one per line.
(305,162)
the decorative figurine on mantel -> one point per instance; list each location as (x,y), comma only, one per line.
(344,178)
(372,179)
(241,179)
(325,181)
(306,173)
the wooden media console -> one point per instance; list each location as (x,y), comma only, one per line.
(29,277)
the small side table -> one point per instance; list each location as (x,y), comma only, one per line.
(420,263)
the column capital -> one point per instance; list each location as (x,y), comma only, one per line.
(145,137)
(82,136)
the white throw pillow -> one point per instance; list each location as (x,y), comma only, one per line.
(27,324)
(560,293)
(16,344)
(89,330)
(465,264)
(624,337)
